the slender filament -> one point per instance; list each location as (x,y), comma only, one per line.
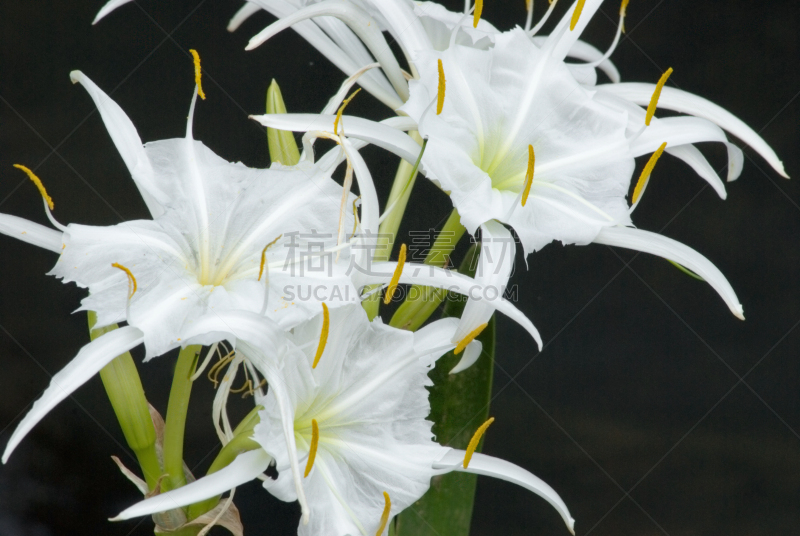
(473,443)
(323,336)
(32,176)
(197,73)
(648,169)
(401,260)
(312,451)
(651,108)
(469,338)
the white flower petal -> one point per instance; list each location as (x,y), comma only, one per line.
(126,140)
(243,469)
(31,232)
(471,354)
(481,464)
(245,12)
(667,248)
(694,158)
(108,8)
(584,51)
(90,359)
(684,102)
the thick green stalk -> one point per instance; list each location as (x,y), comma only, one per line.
(404,181)
(459,405)
(282,145)
(124,389)
(422,301)
(176,417)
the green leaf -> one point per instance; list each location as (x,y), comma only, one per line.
(282,145)
(459,405)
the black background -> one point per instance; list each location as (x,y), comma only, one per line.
(633,412)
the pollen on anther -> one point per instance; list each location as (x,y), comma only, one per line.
(132,286)
(401,260)
(32,176)
(645,176)
(264,256)
(473,443)
(312,451)
(476,15)
(387,508)
(651,108)
(469,338)
(440,92)
(197,73)
(529,175)
(341,109)
(576,15)
(323,336)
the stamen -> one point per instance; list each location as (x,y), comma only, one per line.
(473,443)
(264,256)
(32,176)
(576,15)
(651,108)
(440,92)
(401,260)
(213,373)
(341,109)
(476,15)
(131,280)
(323,336)
(469,338)
(387,507)
(248,385)
(648,169)
(529,175)
(197,73)
(312,452)
(528,4)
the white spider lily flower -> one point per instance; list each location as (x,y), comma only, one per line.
(218,227)
(345,426)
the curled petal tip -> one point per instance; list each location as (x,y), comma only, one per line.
(571,526)
(738,312)
(75,76)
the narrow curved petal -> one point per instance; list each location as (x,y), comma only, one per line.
(108,8)
(655,244)
(481,464)
(684,102)
(562,40)
(31,232)
(90,359)
(385,137)
(243,469)
(405,26)
(127,142)
(692,156)
(582,50)
(245,12)
(431,276)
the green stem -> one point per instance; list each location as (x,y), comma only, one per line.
(404,181)
(126,394)
(422,301)
(176,417)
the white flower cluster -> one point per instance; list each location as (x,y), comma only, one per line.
(518,138)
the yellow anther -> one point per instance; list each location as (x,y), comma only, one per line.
(323,336)
(312,451)
(248,386)
(401,260)
(528,175)
(623,7)
(440,92)
(476,15)
(341,109)
(528,4)
(131,280)
(264,256)
(387,507)
(473,443)
(651,108)
(469,338)
(576,15)
(645,176)
(197,73)
(32,176)
(213,373)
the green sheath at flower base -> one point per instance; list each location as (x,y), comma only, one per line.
(459,405)
(422,301)
(176,417)
(124,389)
(282,145)
(404,181)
